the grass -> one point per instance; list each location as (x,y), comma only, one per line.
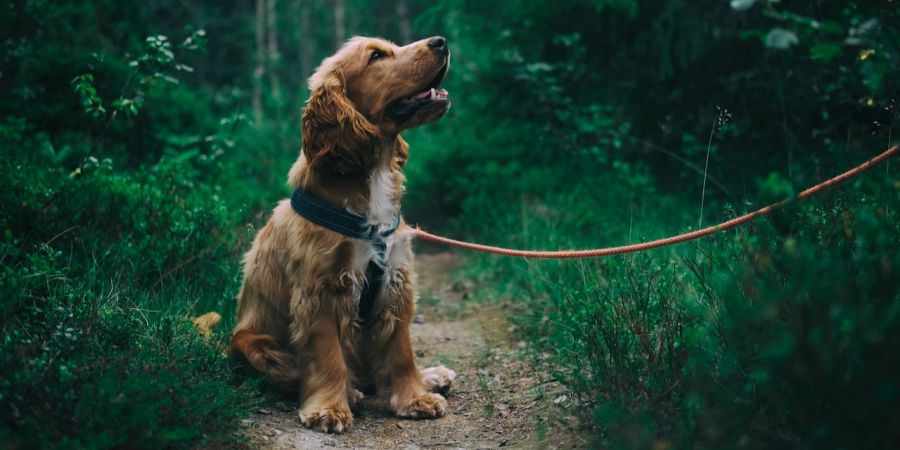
(483,360)
(102,271)
(488,407)
(728,341)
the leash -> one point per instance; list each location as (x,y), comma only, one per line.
(592,253)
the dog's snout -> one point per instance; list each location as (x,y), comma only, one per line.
(438,43)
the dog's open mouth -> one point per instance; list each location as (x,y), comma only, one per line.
(432,91)
(432,94)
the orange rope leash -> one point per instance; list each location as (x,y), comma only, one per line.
(569,254)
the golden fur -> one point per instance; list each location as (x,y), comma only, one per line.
(297,315)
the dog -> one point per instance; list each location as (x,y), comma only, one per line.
(300,318)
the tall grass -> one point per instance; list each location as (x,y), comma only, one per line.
(778,334)
(101,272)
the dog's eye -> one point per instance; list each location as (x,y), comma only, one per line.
(375,55)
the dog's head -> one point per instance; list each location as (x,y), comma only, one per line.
(372,89)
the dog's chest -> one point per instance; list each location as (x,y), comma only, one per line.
(396,254)
(385,189)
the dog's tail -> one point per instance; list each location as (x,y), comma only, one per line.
(264,354)
(206,322)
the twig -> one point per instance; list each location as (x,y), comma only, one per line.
(887,165)
(60,234)
(712,130)
(673,155)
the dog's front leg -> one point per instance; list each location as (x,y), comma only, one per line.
(324,402)
(396,364)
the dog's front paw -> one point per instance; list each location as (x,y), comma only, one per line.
(327,419)
(422,406)
(438,379)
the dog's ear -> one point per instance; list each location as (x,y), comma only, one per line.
(335,135)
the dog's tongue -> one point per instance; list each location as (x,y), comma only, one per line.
(432,93)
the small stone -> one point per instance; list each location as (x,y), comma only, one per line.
(264,411)
(559,400)
(399,425)
(419,318)
(504,442)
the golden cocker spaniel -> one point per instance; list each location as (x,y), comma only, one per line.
(300,317)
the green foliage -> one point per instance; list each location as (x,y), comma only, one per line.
(776,335)
(84,87)
(101,272)
(581,127)
(806,327)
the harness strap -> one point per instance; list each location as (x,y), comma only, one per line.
(354,226)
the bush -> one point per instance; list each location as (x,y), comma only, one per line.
(101,271)
(774,335)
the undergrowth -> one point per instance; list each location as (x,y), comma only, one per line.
(101,272)
(774,335)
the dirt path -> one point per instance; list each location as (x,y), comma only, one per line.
(496,400)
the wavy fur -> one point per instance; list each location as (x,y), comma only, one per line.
(297,315)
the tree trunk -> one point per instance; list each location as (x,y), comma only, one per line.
(339,28)
(304,40)
(403,21)
(272,62)
(260,68)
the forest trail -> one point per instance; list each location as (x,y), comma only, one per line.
(497,400)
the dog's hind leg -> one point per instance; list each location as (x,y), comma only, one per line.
(266,355)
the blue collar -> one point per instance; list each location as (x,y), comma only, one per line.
(354,226)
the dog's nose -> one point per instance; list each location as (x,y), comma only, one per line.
(438,43)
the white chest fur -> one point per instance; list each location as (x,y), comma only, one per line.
(384,200)
(384,204)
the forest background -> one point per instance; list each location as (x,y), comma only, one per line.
(143,143)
